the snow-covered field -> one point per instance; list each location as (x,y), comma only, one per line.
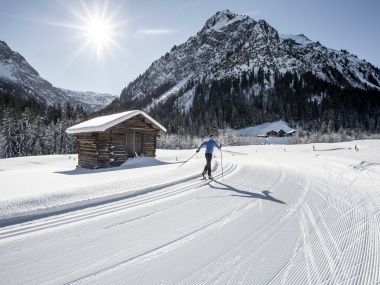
(279,215)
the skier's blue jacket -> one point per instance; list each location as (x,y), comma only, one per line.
(209,144)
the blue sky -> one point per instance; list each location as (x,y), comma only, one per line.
(42,31)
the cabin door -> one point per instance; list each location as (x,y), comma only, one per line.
(134,141)
(139,143)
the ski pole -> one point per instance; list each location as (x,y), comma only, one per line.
(188,159)
(221,162)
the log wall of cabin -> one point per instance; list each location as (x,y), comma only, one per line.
(87,150)
(150,144)
(104,147)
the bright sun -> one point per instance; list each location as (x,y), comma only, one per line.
(96,27)
(99,33)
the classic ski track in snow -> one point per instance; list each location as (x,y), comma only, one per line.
(108,209)
(277,217)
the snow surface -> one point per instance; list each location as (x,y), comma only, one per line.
(6,72)
(174,90)
(300,40)
(100,124)
(185,102)
(279,215)
(264,128)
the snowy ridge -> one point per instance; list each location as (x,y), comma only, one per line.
(221,19)
(301,40)
(92,101)
(6,72)
(230,44)
(169,93)
(17,74)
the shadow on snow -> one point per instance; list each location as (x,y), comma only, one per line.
(129,164)
(264,195)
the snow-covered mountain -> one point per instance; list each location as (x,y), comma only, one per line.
(230,44)
(90,100)
(19,78)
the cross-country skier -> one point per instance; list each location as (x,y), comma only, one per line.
(209,144)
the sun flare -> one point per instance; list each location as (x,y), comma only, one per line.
(99,33)
(96,27)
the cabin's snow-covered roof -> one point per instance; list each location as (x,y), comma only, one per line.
(100,124)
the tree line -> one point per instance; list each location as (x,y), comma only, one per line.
(254,98)
(304,101)
(31,128)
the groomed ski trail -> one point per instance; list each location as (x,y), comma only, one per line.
(275,218)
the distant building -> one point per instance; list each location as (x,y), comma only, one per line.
(279,133)
(291,133)
(271,134)
(109,140)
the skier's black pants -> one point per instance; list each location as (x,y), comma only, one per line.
(208,164)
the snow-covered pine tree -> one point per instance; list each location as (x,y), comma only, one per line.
(26,136)
(8,133)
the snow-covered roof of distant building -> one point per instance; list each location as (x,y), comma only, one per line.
(100,124)
(261,130)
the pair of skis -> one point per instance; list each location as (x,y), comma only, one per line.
(205,178)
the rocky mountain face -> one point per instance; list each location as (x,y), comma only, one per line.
(230,44)
(235,54)
(19,79)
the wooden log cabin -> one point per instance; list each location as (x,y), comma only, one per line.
(109,141)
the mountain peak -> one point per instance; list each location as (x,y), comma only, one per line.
(225,13)
(221,18)
(238,63)
(5,51)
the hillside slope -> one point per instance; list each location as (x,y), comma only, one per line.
(230,44)
(19,79)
